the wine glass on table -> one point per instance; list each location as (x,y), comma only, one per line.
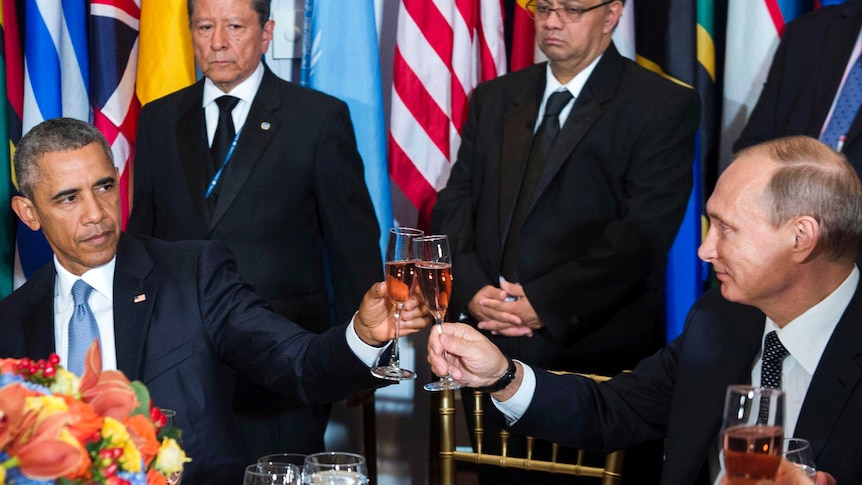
(434,272)
(753,433)
(335,468)
(279,474)
(400,275)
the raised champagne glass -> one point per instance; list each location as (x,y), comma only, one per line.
(434,272)
(753,433)
(400,276)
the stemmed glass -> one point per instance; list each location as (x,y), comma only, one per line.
(335,468)
(753,433)
(798,451)
(434,267)
(277,474)
(176,477)
(400,274)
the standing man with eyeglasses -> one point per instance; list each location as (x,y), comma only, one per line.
(570,185)
(271,169)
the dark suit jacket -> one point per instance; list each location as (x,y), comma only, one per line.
(603,216)
(679,393)
(293,205)
(804,79)
(292,202)
(197,323)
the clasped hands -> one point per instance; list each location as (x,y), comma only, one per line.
(505,310)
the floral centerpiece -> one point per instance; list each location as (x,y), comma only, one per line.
(99,429)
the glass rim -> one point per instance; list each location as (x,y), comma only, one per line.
(406,231)
(359,458)
(749,389)
(432,237)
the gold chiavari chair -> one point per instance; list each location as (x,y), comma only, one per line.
(610,473)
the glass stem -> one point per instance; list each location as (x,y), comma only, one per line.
(395,359)
(438,322)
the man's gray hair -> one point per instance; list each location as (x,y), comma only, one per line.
(262,7)
(814,180)
(54,135)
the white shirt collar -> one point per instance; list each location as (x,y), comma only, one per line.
(575,85)
(245,90)
(807,335)
(101,278)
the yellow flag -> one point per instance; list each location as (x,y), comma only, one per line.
(165,58)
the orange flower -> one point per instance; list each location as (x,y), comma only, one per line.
(84,422)
(155,478)
(143,435)
(109,392)
(43,454)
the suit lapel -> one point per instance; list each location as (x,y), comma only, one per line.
(258,131)
(837,48)
(191,138)
(134,299)
(837,375)
(517,136)
(39,323)
(599,88)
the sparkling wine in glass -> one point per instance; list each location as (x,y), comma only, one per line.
(753,433)
(400,275)
(434,272)
(335,468)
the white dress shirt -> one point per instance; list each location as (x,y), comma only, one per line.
(245,91)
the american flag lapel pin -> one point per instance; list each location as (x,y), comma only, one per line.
(140,298)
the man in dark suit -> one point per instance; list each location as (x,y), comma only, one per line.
(560,256)
(785,229)
(811,66)
(290,200)
(174,315)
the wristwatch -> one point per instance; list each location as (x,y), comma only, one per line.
(503,381)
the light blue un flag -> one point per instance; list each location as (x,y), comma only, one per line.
(341,58)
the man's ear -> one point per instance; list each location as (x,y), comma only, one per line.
(26,212)
(806,231)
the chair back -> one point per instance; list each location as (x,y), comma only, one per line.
(610,473)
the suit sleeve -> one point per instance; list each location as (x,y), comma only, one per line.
(655,188)
(141,218)
(347,218)
(272,350)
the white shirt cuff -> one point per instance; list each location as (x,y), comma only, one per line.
(515,407)
(368,354)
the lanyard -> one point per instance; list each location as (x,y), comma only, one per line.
(227,157)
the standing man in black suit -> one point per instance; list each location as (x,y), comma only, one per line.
(785,230)
(174,315)
(813,64)
(559,249)
(283,187)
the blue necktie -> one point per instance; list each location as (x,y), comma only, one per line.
(845,108)
(82,327)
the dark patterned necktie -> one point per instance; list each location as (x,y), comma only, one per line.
(543,140)
(83,328)
(770,372)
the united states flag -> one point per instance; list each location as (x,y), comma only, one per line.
(114,26)
(443,49)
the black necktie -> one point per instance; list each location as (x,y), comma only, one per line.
(770,372)
(543,140)
(224,130)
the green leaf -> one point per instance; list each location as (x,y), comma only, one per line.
(143,395)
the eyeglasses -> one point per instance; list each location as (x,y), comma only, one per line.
(566,13)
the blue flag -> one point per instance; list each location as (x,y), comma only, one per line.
(340,58)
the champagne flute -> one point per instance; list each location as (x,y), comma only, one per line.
(400,275)
(434,267)
(280,474)
(753,433)
(335,468)
(798,452)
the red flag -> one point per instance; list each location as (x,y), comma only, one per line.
(523,37)
(443,49)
